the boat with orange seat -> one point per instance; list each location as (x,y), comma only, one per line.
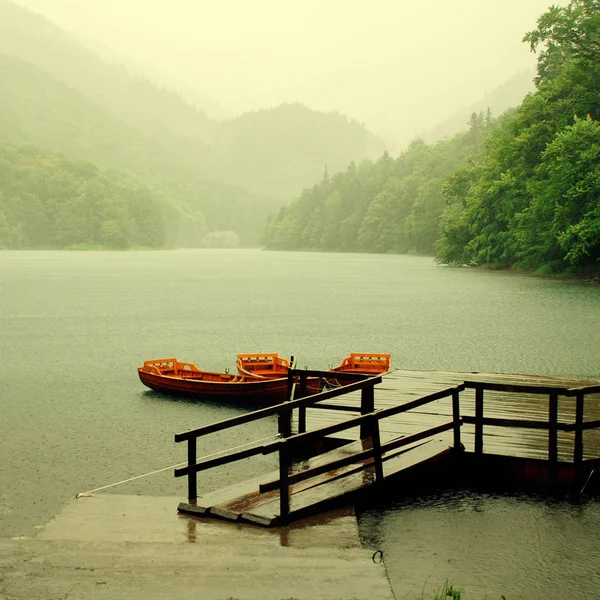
(268,365)
(170,376)
(264,365)
(365,364)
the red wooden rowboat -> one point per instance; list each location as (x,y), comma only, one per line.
(265,365)
(169,376)
(365,364)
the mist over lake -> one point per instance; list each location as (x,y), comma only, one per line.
(76,325)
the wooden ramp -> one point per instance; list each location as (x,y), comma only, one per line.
(257,500)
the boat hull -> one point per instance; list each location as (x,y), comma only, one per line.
(255,391)
(365,364)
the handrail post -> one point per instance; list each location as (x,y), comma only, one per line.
(302,419)
(553,429)
(578,449)
(456,419)
(367,405)
(377,455)
(290,385)
(479,420)
(284,418)
(302,409)
(284,423)
(303,384)
(192,476)
(284,489)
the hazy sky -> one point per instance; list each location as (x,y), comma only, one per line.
(388,63)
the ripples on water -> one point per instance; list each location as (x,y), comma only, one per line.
(522,547)
(75,326)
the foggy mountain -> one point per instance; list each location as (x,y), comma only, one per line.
(508,95)
(400,68)
(227,151)
(273,146)
(37,109)
(160,77)
(32,37)
(59,93)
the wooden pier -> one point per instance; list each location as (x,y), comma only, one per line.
(515,400)
(363,436)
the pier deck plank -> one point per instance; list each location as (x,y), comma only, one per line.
(401,386)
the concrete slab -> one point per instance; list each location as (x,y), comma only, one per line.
(132,547)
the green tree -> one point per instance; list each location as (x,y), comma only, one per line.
(565,212)
(532,200)
(567,34)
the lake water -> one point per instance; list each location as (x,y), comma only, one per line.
(74,327)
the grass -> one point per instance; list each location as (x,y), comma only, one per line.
(449,593)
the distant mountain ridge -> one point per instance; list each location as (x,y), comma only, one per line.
(229,152)
(37,109)
(261,143)
(508,95)
(190,94)
(30,36)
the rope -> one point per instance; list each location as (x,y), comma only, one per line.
(90,492)
(104,487)
(588,480)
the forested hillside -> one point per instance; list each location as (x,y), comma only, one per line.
(217,181)
(47,201)
(533,200)
(36,109)
(391,205)
(519,191)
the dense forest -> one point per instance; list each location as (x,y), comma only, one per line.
(533,201)
(522,190)
(218,181)
(47,201)
(36,109)
(390,205)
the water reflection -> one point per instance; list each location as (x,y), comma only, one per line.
(230,407)
(335,528)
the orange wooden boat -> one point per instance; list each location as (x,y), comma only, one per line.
(169,376)
(265,365)
(365,364)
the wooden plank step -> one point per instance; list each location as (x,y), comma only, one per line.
(206,501)
(232,502)
(233,506)
(337,490)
